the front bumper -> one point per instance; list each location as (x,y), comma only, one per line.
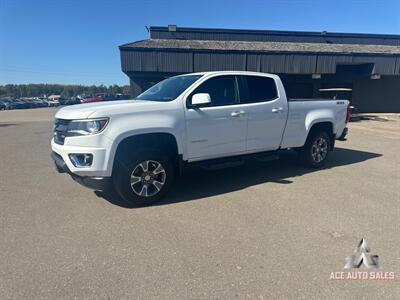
(92,182)
(99,166)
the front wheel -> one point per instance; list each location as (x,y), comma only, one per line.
(316,149)
(144,177)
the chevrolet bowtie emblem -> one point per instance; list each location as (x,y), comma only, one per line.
(362,257)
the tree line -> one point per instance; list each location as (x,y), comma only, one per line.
(66,91)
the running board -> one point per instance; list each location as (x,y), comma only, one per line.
(228,162)
(221,164)
(267,157)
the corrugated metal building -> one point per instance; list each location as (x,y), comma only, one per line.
(369,64)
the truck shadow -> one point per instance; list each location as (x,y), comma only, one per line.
(8,124)
(198,183)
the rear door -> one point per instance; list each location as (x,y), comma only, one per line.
(266,112)
(219,128)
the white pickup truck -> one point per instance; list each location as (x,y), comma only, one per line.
(213,119)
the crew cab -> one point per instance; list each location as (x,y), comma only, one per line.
(211,119)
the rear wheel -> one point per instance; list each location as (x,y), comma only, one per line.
(144,177)
(316,149)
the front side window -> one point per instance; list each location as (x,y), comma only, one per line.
(222,90)
(168,89)
(259,89)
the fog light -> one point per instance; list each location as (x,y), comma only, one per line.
(81,160)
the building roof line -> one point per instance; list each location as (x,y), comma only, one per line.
(277,32)
(272,47)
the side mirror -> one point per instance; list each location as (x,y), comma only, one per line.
(200,99)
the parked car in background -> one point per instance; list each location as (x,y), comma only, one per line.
(72,101)
(121,97)
(44,102)
(35,102)
(20,104)
(97,98)
(52,103)
(27,103)
(6,104)
(54,97)
(39,103)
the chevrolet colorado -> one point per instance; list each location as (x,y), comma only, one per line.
(213,119)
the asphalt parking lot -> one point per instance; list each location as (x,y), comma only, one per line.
(261,231)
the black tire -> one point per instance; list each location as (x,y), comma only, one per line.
(124,171)
(312,155)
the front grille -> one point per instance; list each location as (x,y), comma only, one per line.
(60,129)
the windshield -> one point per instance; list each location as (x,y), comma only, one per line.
(168,89)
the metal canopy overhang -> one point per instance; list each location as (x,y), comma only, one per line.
(172,60)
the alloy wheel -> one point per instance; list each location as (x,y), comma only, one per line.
(148,178)
(319,150)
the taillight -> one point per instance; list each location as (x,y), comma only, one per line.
(348,114)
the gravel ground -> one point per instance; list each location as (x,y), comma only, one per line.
(268,230)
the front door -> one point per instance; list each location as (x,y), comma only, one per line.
(218,129)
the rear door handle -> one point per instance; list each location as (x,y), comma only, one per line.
(238,113)
(277,109)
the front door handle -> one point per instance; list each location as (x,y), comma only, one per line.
(238,113)
(277,109)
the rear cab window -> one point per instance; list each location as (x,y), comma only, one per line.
(255,89)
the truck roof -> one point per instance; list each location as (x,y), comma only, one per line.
(228,73)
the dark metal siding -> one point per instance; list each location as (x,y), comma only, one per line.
(383,65)
(192,61)
(397,68)
(139,61)
(300,64)
(156,61)
(326,64)
(171,62)
(274,63)
(273,36)
(219,62)
(253,62)
(377,95)
(220,36)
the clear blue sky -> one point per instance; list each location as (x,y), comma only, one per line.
(76,41)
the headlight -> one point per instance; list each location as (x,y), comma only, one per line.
(86,127)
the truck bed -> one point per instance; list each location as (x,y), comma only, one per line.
(302,112)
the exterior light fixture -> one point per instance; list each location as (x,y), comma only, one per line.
(316,76)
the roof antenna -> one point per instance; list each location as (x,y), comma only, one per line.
(147,28)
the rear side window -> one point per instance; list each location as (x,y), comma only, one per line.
(257,89)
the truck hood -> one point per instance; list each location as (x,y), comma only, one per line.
(107,109)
